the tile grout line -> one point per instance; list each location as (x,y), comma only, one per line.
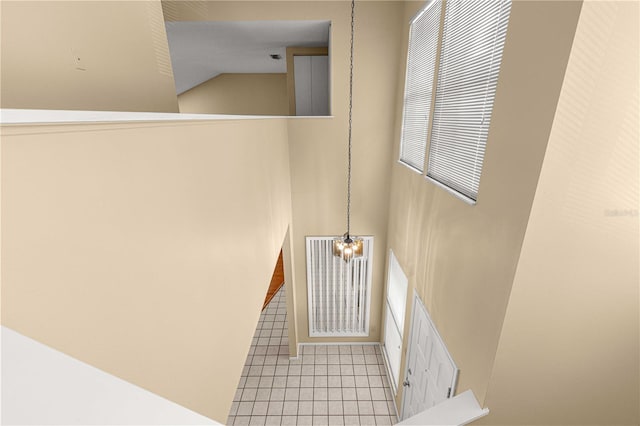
(266,358)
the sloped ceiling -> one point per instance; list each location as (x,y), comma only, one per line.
(200,50)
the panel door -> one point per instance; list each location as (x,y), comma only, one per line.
(311,78)
(431,373)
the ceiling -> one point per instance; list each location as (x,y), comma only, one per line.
(200,50)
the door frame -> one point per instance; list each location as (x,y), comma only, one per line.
(417,302)
(395,382)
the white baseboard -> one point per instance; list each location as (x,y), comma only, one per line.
(394,388)
(337,343)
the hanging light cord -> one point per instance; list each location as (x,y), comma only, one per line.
(353,5)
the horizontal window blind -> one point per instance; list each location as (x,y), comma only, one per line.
(471,52)
(421,62)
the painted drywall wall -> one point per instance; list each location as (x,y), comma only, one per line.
(318,146)
(44,386)
(86,55)
(252,94)
(568,352)
(145,249)
(318,149)
(462,258)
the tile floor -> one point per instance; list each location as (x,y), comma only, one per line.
(326,385)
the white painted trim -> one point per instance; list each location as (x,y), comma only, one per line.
(295,358)
(410,167)
(395,406)
(296,117)
(44,117)
(399,321)
(393,264)
(337,343)
(394,388)
(406,358)
(451,191)
(41,116)
(457,411)
(421,12)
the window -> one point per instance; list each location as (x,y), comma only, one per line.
(472,43)
(421,63)
(471,47)
(339,293)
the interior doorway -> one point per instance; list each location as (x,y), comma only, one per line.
(277,281)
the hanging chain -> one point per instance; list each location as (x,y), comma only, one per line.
(353,5)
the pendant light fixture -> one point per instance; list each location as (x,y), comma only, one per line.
(348,246)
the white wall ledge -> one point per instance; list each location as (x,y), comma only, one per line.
(459,410)
(42,386)
(46,116)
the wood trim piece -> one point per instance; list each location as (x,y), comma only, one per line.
(299,51)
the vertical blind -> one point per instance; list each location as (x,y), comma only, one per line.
(421,62)
(472,43)
(339,293)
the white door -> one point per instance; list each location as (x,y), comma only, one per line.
(431,374)
(311,80)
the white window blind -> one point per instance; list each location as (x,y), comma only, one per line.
(472,43)
(421,62)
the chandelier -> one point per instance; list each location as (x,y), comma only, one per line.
(348,246)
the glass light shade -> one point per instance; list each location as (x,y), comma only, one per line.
(347,247)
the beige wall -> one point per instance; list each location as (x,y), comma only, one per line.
(568,352)
(130,231)
(243,94)
(122,48)
(116,237)
(318,146)
(461,259)
(126,246)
